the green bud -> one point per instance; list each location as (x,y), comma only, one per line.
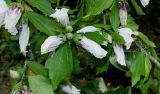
(69,29)
(69,36)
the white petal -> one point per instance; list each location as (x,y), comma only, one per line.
(13,31)
(144,2)
(126,33)
(87,29)
(11,18)
(119,54)
(70,89)
(105,43)
(123,13)
(23,37)
(62,16)
(3,10)
(93,47)
(50,44)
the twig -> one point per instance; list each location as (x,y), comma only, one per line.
(154,61)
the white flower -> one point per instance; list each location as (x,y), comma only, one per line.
(23,37)
(3,10)
(144,2)
(11,18)
(70,89)
(119,54)
(93,47)
(126,34)
(61,15)
(50,44)
(14,74)
(87,29)
(123,13)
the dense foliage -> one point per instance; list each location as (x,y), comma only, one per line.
(76,47)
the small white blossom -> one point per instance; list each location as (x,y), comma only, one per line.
(123,13)
(62,16)
(144,2)
(23,37)
(87,29)
(50,44)
(11,19)
(118,49)
(3,10)
(102,86)
(93,47)
(14,74)
(70,89)
(127,33)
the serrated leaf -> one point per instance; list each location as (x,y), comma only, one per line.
(95,7)
(76,62)
(148,67)
(42,23)
(116,37)
(114,16)
(42,5)
(95,36)
(145,39)
(60,65)
(40,85)
(138,67)
(37,68)
(131,23)
(137,7)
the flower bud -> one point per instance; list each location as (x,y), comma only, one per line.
(87,29)
(14,74)
(123,13)
(144,2)
(3,10)
(93,48)
(62,16)
(11,19)
(69,29)
(50,44)
(23,37)
(70,89)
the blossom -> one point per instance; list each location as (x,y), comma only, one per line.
(11,18)
(118,49)
(123,13)
(62,16)
(50,44)
(70,89)
(144,2)
(3,10)
(23,37)
(102,86)
(126,34)
(87,29)
(93,47)
(14,74)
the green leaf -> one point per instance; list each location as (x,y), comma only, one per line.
(40,85)
(95,36)
(114,16)
(60,65)
(95,7)
(137,7)
(42,5)
(145,39)
(37,68)
(42,23)
(131,23)
(148,67)
(54,1)
(138,67)
(116,37)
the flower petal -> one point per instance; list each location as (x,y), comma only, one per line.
(87,29)
(13,31)
(123,13)
(12,16)
(119,54)
(70,89)
(144,2)
(23,37)
(61,15)
(93,47)
(50,44)
(3,10)
(126,33)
